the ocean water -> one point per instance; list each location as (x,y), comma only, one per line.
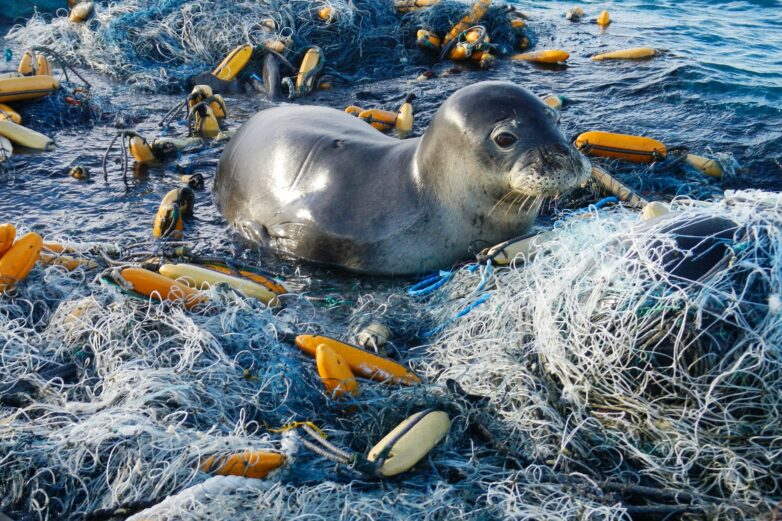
(717,88)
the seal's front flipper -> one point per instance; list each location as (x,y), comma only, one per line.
(255,232)
(218,86)
(307,241)
(287,235)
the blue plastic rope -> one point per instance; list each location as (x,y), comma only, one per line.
(480,300)
(485,276)
(486,273)
(429,284)
(597,206)
(606,200)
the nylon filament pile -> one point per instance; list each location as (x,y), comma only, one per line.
(130,387)
(605,377)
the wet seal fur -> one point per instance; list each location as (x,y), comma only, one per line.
(323,186)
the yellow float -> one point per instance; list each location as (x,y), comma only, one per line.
(199,277)
(385,119)
(161,288)
(205,122)
(326,13)
(547,56)
(279,45)
(9,114)
(56,247)
(203,94)
(483,58)
(636,53)
(374,335)
(710,167)
(637,149)
(335,373)
(477,12)
(25,137)
(409,442)
(6,149)
(27,64)
(42,67)
(654,209)
(305,79)
(19,259)
(140,149)
(233,63)
(353,110)
(24,88)
(377,118)
(80,12)
(407,6)
(7,236)
(79,173)
(271,284)
(404,120)
(428,40)
(161,148)
(470,44)
(66,261)
(574,14)
(176,206)
(553,101)
(249,464)
(615,187)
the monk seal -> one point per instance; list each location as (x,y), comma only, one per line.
(326,187)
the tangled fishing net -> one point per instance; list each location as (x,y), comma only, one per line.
(155,44)
(587,383)
(111,403)
(594,356)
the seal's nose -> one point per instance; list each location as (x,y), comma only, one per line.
(564,158)
(554,156)
(555,159)
(550,168)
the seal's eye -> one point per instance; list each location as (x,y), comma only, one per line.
(505,139)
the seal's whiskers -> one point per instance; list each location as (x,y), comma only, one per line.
(501,200)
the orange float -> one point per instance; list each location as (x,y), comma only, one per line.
(362,363)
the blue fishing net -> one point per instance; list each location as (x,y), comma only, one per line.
(158,44)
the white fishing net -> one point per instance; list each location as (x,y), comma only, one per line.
(596,354)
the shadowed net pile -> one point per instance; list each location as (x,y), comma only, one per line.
(154,390)
(158,44)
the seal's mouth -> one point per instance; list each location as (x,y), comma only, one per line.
(549,170)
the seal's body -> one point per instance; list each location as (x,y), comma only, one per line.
(324,186)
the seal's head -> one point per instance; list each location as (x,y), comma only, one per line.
(501,138)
